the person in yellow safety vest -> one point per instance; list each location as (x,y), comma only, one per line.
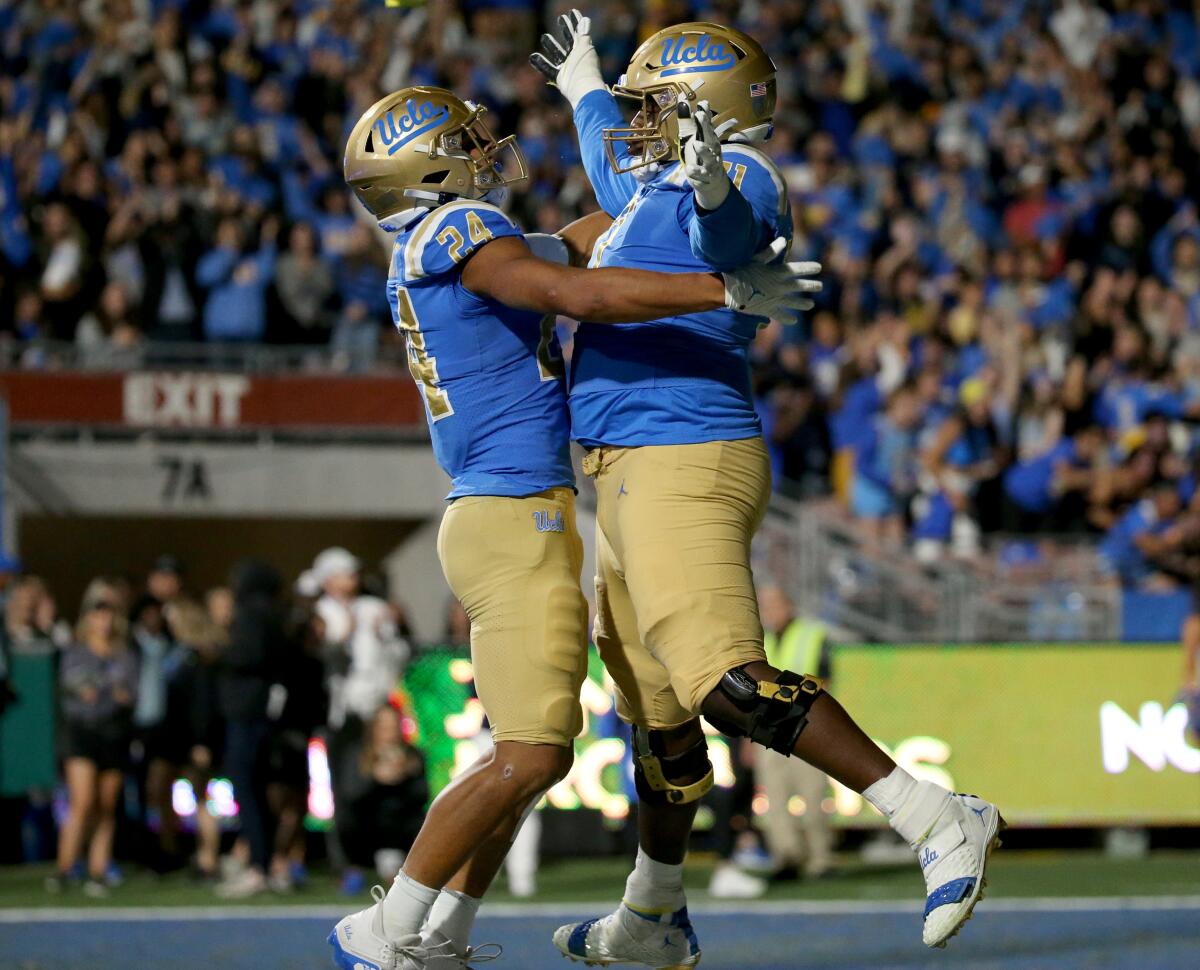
(798,830)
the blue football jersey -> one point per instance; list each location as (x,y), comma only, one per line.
(491,376)
(685,379)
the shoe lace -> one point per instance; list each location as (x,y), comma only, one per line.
(484,953)
(391,953)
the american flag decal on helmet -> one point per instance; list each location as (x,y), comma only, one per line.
(758,97)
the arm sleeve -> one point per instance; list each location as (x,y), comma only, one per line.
(753,213)
(450,235)
(214,267)
(596,111)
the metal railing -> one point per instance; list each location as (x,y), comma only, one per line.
(248,358)
(1055,590)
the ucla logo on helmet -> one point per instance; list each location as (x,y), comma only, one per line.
(545,522)
(684,55)
(397,130)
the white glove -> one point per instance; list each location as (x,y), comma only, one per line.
(567,58)
(702,158)
(767,289)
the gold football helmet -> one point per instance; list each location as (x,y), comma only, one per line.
(692,63)
(419,145)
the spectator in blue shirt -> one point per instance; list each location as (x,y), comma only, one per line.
(1137,536)
(237,281)
(885,466)
(1035,488)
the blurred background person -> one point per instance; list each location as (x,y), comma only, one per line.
(219,603)
(10,572)
(1190,691)
(304,286)
(194,717)
(800,843)
(157,750)
(236,275)
(250,665)
(384,795)
(883,480)
(364,657)
(99,681)
(29,639)
(165,580)
(299,708)
(732,836)
(28,626)
(112,590)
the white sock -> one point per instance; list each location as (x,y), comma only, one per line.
(405,907)
(911,807)
(453,916)
(654,886)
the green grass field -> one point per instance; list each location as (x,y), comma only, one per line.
(1013,874)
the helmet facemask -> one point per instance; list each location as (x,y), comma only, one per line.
(496,163)
(653,136)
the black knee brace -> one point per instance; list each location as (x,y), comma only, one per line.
(655,772)
(774,714)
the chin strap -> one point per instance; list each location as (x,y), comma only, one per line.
(752,136)
(397,221)
(648,173)
(424,200)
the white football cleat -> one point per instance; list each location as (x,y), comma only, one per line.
(359,944)
(954,857)
(665,941)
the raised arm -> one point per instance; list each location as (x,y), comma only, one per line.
(596,111)
(569,62)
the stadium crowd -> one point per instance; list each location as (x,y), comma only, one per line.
(1003,194)
(154,684)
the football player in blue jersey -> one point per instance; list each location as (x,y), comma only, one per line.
(683,479)
(477,308)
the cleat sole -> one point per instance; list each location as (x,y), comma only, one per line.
(602,962)
(992,845)
(612,963)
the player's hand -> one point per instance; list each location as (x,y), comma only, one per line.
(702,157)
(776,290)
(568,59)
